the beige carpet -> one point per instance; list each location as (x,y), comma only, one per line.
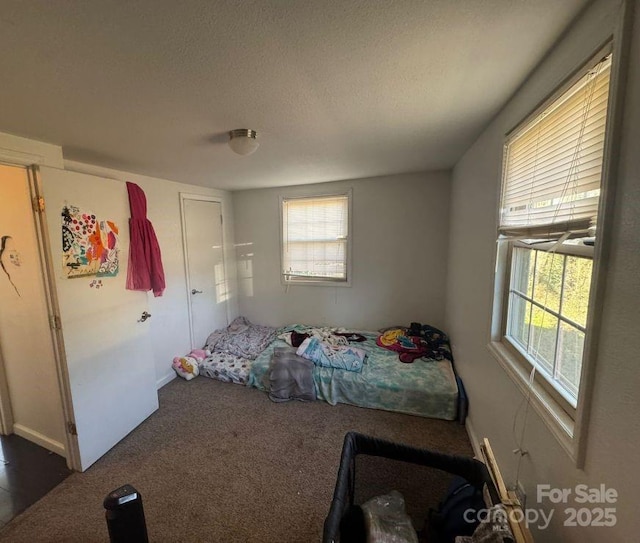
(222,463)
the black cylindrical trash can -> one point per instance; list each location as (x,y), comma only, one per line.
(125,516)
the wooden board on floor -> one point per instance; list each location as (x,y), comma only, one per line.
(512,504)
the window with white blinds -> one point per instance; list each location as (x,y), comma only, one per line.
(315,238)
(552,177)
(553,163)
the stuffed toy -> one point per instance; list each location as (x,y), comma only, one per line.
(199,354)
(186,367)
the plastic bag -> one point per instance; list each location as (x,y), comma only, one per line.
(387,521)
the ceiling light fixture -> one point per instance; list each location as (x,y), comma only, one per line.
(243,141)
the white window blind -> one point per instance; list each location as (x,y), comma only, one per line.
(553,163)
(315,237)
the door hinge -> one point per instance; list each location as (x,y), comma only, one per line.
(71,428)
(221,221)
(55,322)
(38,204)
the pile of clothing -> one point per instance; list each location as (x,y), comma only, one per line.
(417,341)
(291,368)
(327,347)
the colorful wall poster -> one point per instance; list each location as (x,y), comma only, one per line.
(89,245)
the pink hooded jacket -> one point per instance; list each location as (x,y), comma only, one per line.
(145,270)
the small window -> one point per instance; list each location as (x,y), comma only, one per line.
(548,222)
(315,239)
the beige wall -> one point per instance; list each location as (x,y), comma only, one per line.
(26,347)
(614,430)
(400,231)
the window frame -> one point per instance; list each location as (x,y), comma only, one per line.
(570,431)
(542,380)
(319,282)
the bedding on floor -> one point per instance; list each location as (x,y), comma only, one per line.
(241,338)
(335,365)
(226,367)
(230,350)
(425,387)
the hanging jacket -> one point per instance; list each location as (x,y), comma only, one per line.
(145,270)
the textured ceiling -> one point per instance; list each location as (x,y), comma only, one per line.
(336,89)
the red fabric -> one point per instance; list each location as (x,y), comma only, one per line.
(145,270)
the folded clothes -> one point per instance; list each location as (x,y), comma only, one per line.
(342,357)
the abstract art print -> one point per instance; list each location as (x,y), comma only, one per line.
(89,245)
(109,255)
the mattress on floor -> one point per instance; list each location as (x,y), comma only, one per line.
(425,387)
(226,367)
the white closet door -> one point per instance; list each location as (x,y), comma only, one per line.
(207,281)
(108,351)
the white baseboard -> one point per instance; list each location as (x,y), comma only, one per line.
(473,437)
(39,439)
(166,379)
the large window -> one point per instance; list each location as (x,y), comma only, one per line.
(315,239)
(548,222)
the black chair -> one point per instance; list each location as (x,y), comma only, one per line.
(474,471)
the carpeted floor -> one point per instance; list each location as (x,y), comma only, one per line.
(222,463)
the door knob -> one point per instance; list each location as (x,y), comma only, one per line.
(144,316)
(194,291)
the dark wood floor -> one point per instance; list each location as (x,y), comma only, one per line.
(27,472)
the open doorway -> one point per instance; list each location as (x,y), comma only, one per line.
(32,422)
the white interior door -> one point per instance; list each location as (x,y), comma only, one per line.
(108,352)
(31,403)
(206,277)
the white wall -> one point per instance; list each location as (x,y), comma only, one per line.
(400,232)
(614,430)
(169,322)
